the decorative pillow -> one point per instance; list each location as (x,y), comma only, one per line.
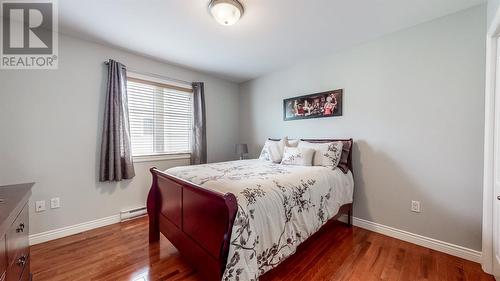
(292,143)
(326,154)
(344,158)
(273,151)
(297,156)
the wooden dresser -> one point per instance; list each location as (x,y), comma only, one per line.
(14,229)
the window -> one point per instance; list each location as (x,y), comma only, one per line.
(160,117)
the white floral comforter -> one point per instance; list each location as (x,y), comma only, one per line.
(279,207)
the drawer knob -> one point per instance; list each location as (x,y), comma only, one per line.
(21,261)
(20,228)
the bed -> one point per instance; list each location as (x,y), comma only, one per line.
(237,220)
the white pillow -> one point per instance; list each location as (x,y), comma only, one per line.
(292,143)
(273,151)
(297,156)
(326,154)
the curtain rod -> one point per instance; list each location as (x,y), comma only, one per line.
(157,75)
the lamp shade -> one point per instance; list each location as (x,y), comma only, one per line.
(241,148)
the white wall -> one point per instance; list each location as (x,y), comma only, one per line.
(491,10)
(414,104)
(50,124)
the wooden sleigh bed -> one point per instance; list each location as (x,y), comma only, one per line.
(199,221)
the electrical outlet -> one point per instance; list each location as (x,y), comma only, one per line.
(40,206)
(55,203)
(415,206)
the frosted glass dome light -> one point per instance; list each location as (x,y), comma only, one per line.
(226,12)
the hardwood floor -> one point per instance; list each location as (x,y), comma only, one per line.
(122,252)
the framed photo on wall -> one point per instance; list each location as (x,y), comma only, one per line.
(325,104)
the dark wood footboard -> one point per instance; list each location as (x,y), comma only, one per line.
(197,221)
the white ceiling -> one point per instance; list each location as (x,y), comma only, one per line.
(272,34)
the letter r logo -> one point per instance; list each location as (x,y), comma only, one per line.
(27,28)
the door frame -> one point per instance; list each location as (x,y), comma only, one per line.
(492,37)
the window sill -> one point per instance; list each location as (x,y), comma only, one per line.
(162,157)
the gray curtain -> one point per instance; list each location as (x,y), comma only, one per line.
(116,155)
(199,134)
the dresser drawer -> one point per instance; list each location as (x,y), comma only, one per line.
(14,228)
(18,244)
(3,257)
(26,272)
(15,270)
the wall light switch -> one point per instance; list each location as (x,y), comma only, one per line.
(415,206)
(40,206)
(55,203)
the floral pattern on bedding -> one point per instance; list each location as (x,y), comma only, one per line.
(279,206)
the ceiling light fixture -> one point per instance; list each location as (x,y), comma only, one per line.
(226,12)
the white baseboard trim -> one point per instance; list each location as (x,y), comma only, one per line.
(70,230)
(417,239)
(434,244)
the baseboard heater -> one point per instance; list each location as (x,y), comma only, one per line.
(132,214)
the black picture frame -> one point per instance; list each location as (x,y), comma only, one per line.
(318,105)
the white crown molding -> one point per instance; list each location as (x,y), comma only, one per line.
(72,229)
(434,244)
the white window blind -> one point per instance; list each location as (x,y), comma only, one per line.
(160,117)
